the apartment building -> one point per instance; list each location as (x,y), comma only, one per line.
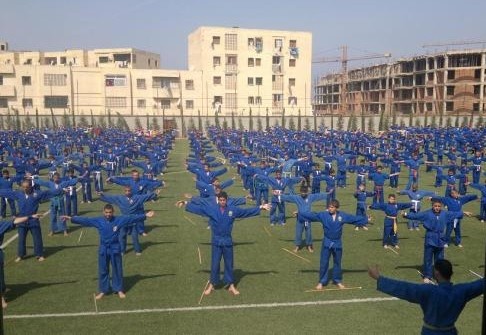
(252,68)
(230,71)
(451,82)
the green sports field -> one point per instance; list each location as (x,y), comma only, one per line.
(164,285)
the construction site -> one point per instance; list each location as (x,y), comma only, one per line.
(450,82)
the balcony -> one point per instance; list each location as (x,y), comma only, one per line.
(6,68)
(163,92)
(7,90)
(231,68)
(277,69)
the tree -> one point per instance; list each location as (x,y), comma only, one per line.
(307,125)
(283,117)
(350,122)
(456,123)
(275,124)
(394,118)
(250,125)
(267,120)
(233,124)
(191,125)
(410,119)
(417,122)
(138,123)
(207,124)
(37,119)
(363,122)
(2,124)
(110,121)
(259,124)
(10,122)
(340,122)
(448,122)
(433,122)
(441,117)
(225,124)
(291,123)
(299,121)
(92,118)
(199,121)
(426,119)
(479,121)
(83,122)
(402,122)
(386,122)
(121,122)
(371,124)
(101,122)
(216,118)
(47,122)
(465,122)
(28,124)
(380,122)
(147,120)
(240,124)
(66,122)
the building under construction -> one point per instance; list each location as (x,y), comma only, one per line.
(451,82)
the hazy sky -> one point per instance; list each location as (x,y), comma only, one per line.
(398,27)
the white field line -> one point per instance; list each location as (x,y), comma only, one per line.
(10,240)
(202,308)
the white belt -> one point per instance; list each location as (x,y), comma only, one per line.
(416,204)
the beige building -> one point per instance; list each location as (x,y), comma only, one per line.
(453,82)
(230,70)
(252,68)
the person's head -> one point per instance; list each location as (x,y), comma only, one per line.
(108,211)
(379,168)
(263,163)
(5,174)
(278,174)
(362,187)
(362,162)
(443,270)
(333,206)
(127,191)
(332,172)
(450,172)
(414,187)
(206,167)
(26,186)
(217,189)
(56,177)
(222,198)
(454,194)
(135,175)
(392,199)
(71,172)
(436,206)
(304,191)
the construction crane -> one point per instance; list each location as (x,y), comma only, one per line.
(343,59)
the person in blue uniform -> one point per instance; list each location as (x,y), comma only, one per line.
(435,222)
(109,251)
(390,229)
(482,209)
(415,195)
(332,222)
(5,226)
(361,208)
(6,183)
(28,201)
(441,304)
(221,218)
(304,202)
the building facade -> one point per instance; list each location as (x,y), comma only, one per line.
(451,83)
(230,71)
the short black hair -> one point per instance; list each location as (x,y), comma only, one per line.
(223,195)
(444,267)
(109,207)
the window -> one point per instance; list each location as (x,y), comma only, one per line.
(3,103)
(430,91)
(62,60)
(165,103)
(216,40)
(230,41)
(477,74)
(259,81)
(250,81)
(251,42)
(276,60)
(230,82)
(292,44)
(189,104)
(258,44)
(1,80)
(278,43)
(104,59)
(450,90)
(476,89)
(251,100)
(119,102)
(28,61)
(258,100)
(216,61)
(292,101)
(428,107)
(27,103)
(451,74)
(476,107)
(251,62)
(258,62)
(430,76)
(216,80)
(449,106)
(231,100)
(291,81)
(141,103)
(56,101)
(54,79)
(141,84)
(26,81)
(218,99)
(189,84)
(231,59)
(115,80)
(292,62)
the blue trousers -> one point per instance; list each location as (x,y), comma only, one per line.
(261,194)
(337,255)
(301,227)
(457,231)
(482,210)
(431,255)
(57,225)
(87,194)
(226,253)
(36,236)
(3,205)
(133,232)
(71,204)
(280,216)
(389,236)
(105,258)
